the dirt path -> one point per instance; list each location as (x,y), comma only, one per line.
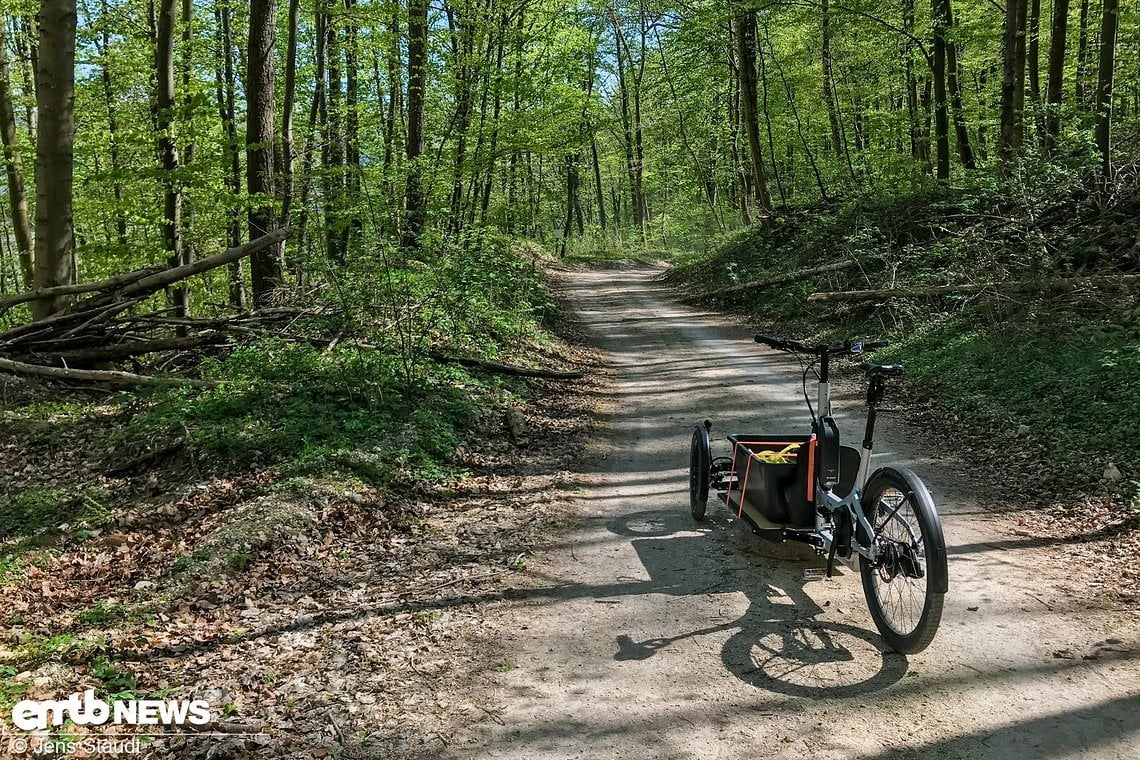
(655,637)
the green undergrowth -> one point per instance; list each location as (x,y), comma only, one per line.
(1058,371)
(379,404)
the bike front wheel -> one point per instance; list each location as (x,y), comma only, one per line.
(700,459)
(906,583)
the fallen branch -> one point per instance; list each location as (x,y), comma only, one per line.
(153,283)
(112,377)
(780,279)
(506,369)
(146,458)
(125,350)
(83,287)
(1024,286)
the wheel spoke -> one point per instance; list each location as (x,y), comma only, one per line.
(901,597)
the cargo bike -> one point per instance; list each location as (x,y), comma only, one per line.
(807,487)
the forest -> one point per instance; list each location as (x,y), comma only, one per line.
(143,132)
(280,314)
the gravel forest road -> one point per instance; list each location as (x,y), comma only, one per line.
(657,637)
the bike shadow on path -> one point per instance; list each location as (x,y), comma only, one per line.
(783,643)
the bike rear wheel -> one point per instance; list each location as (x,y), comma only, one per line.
(906,584)
(700,460)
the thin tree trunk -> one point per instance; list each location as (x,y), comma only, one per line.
(462,31)
(1082,57)
(828,82)
(352,119)
(1013,82)
(746,67)
(496,112)
(334,141)
(740,174)
(1108,30)
(415,199)
(102,43)
(55,99)
(187,116)
(172,190)
(27,52)
(911,79)
(288,147)
(226,88)
(768,127)
(799,123)
(1055,95)
(941,118)
(395,95)
(954,83)
(17,195)
(601,196)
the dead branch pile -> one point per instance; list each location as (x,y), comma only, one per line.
(107,325)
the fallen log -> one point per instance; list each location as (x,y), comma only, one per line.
(124,350)
(506,369)
(128,290)
(152,283)
(1052,285)
(111,377)
(781,279)
(8,302)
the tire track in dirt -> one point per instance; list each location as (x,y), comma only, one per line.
(647,635)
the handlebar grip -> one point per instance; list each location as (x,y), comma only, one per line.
(871,345)
(771,342)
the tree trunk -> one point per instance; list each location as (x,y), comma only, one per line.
(168,150)
(1082,56)
(351,119)
(599,191)
(395,95)
(911,79)
(226,88)
(1055,95)
(288,148)
(941,118)
(414,198)
(1033,64)
(55,99)
(102,45)
(462,31)
(796,115)
(837,144)
(496,113)
(746,71)
(632,168)
(1013,82)
(265,266)
(954,82)
(334,142)
(1108,28)
(27,53)
(17,196)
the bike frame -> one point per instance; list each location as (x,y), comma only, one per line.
(853,501)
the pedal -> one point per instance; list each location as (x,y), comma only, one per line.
(820,573)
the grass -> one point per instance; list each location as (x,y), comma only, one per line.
(1061,373)
(38,509)
(1069,384)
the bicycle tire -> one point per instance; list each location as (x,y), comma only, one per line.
(700,460)
(906,605)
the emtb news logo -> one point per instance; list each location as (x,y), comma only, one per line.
(88,710)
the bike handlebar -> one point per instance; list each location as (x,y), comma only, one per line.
(848,347)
